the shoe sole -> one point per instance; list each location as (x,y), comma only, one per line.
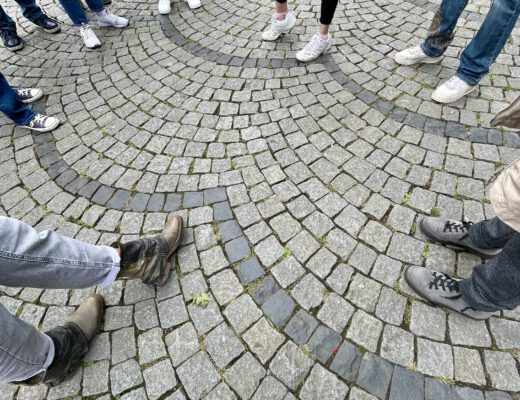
(165,12)
(16,48)
(433,60)
(55,30)
(174,247)
(43,130)
(112,26)
(423,296)
(456,246)
(33,99)
(282,32)
(448,100)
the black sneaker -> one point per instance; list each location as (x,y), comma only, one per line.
(48,24)
(29,95)
(11,40)
(42,123)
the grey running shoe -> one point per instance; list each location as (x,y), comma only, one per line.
(441,290)
(454,233)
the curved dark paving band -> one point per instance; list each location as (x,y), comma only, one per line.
(413,119)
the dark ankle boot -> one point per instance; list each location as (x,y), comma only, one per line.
(71,340)
(148,258)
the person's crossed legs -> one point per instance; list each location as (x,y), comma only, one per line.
(492,286)
(48,260)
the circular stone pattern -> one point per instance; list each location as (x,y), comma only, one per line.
(301,186)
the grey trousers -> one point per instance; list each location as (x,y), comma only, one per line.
(43,260)
(494,285)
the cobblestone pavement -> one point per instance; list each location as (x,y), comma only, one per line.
(301,186)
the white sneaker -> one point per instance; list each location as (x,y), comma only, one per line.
(313,49)
(279,27)
(28,96)
(193,4)
(164,7)
(42,123)
(452,90)
(107,18)
(414,55)
(89,37)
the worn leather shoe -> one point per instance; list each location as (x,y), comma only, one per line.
(148,258)
(72,340)
(48,24)
(11,39)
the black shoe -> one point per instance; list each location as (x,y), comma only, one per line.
(11,40)
(48,24)
(71,340)
(28,96)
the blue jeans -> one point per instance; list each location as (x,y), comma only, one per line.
(29,10)
(76,13)
(43,260)
(494,285)
(13,108)
(487,44)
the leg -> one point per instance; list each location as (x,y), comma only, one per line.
(49,260)
(24,352)
(280,6)
(5,21)
(495,285)
(489,41)
(441,30)
(74,11)
(328,8)
(30,10)
(491,234)
(95,5)
(11,106)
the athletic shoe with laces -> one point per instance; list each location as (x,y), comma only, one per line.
(164,7)
(106,18)
(89,37)
(415,55)
(11,39)
(441,290)
(315,48)
(28,96)
(48,24)
(194,4)
(454,233)
(452,90)
(42,123)
(277,27)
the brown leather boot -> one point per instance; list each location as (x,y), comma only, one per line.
(71,340)
(148,258)
(509,117)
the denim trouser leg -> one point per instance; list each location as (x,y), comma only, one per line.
(19,112)
(440,33)
(30,10)
(5,21)
(489,41)
(494,285)
(44,260)
(76,13)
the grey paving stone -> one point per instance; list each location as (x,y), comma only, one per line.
(365,330)
(435,359)
(433,389)
(290,365)
(428,321)
(335,312)
(145,315)
(322,262)
(198,375)
(159,379)
(323,384)
(205,318)
(225,286)
(237,249)
(265,289)
(221,391)
(245,376)
(504,332)
(242,313)
(468,332)
(374,375)
(397,346)
(308,292)
(269,251)
(125,376)
(263,340)
(223,346)
(323,343)
(250,270)
(466,393)
(347,361)
(501,368)
(287,271)
(182,343)
(364,292)
(406,384)
(270,389)
(151,346)
(495,395)
(468,366)
(359,394)
(95,378)
(301,326)
(278,308)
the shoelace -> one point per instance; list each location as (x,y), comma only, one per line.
(453,82)
(38,120)
(313,46)
(86,31)
(24,92)
(444,282)
(463,226)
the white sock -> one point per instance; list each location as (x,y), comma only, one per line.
(101,13)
